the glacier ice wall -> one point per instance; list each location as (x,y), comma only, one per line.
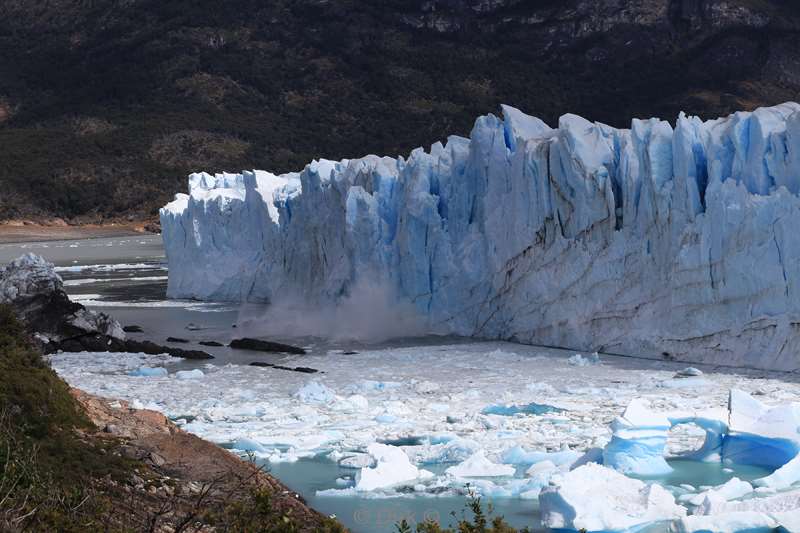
(661,241)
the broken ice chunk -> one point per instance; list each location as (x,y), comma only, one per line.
(580,360)
(596,498)
(315,392)
(688,372)
(478,465)
(392,468)
(189,374)
(146,371)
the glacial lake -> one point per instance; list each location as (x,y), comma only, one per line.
(440,389)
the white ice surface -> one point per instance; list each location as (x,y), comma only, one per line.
(595,498)
(392,467)
(377,395)
(478,465)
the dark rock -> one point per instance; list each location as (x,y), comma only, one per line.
(152,348)
(190,354)
(153,227)
(90,342)
(104,343)
(36,293)
(132,452)
(265,346)
(305,370)
(349,352)
(301,369)
(177,340)
(211,343)
(69,345)
(133,329)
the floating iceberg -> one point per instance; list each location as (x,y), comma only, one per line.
(315,392)
(596,498)
(269,418)
(638,443)
(478,465)
(532,408)
(779,503)
(745,522)
(660,240)
(189,374)
(732,490)
(764,436)
(392,468)
(149,372)
(748,433)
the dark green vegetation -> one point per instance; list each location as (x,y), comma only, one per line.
(106,105)
(257,514)
(480,522)
(46,469)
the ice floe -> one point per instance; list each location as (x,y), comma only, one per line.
(595,498)
(367,413)
(392,467)
(478,465)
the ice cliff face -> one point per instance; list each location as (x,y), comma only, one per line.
(661,241)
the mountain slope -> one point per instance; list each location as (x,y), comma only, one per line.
(106,105)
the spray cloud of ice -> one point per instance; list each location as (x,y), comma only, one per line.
(370,313)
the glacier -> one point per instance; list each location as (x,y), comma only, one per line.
(664,241)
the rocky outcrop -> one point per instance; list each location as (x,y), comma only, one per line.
(258,345)
(179,467)
(31,286)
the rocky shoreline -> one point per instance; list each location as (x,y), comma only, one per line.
(178,468)
(177,482)
(14,231)
(32,288)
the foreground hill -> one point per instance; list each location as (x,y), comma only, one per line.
(106,105)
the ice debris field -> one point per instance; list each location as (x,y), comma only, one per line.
(584,440)
(659,240)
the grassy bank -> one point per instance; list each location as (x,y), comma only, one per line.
(47,466)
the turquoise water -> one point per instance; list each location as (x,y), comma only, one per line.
(696,473)
(379,515)
(527,409)
(373,515)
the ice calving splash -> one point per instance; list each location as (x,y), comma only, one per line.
(658,240)
(283,417)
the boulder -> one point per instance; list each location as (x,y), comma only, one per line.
(265,346)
